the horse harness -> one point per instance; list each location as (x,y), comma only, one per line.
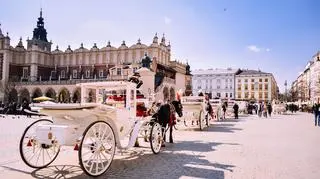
(172,114)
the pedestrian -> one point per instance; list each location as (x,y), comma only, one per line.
(236,109)
(269,108)
(260,108)
(265,113)
(316,111)
(224,109)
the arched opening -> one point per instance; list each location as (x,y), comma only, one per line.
(13,96)
(50,93)
(64,96)
(24,95)
(165,94)
(172,94)
(76,96)
(36,93)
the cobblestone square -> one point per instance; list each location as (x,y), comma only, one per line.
(283,146)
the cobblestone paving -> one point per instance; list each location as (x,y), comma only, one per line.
(284,146)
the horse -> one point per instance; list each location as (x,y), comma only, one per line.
(166,116)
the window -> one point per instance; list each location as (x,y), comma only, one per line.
(218,95)
(239,87)
(246,80)
(260,95)
(239,95)
(74,74)
(218,87)
(266,80)
(199,87)
(230,86)
(266,95)
(260,80)
(101,73)
(63,74)
(252,86)
(245,86)
(230,95)
(246,95)
(218,80)
(226,95)
(252,80)
(88,74)
(53,74)
(239,80)
(260,86)
(266,86)
(252,95)
(118,71)
(226,80)
(226,86)
(25,72)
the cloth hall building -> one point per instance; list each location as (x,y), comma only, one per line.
(37,69)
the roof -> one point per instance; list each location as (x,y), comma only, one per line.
(252,72)
(214,71)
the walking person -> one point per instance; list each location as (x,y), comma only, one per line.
(269,108)
(224,108)
(260,109)
(315,109)
(236,110)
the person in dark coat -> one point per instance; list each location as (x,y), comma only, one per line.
(315,109)
(269,108)
(236,110)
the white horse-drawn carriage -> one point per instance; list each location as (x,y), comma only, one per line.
(94,130)
(194,111)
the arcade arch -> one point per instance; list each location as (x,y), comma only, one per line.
(24,95)
(64,96)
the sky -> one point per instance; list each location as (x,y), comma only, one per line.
(276,36)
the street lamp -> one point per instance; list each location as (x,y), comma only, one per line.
(285,85)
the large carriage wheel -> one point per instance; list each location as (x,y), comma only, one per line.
(156,137)
(97,148)
(34,153)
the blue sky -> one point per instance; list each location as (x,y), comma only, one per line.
(277,36)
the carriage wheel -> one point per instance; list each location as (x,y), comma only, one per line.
(201,120)
(97,148)
(156,138)
(34,153)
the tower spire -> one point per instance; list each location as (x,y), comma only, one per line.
(40,12)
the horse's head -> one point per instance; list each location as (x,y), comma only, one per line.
(178,107)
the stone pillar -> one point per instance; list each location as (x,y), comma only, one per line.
(33,72)
(7,57)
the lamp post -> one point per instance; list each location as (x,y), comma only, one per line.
(285,85)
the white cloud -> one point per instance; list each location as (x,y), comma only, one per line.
(256,49)
(167,20)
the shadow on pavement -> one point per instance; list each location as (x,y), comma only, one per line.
(197,146)
(222,127)
(175,161)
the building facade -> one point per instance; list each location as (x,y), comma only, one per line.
(218,83)
(307,85)
(252,85)
(35,70)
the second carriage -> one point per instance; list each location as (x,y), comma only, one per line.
(195,112)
